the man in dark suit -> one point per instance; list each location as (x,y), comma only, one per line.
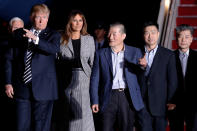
(159,81)
(8,106)
(186,108)
(114,88)
(100,32)
(31,74)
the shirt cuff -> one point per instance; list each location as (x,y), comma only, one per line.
(36,41)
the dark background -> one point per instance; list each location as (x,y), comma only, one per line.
(132,13)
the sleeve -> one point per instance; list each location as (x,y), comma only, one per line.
(8,66)
(52,45)
(172,78)
(94,80)
(139,54)
(92,44)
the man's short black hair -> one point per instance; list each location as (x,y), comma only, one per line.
(150,23)
(184,27)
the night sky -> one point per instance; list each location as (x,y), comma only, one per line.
(129,12)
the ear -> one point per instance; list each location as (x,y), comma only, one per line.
(158,33)
(124,36)
(191,39)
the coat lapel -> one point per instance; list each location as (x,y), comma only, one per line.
(129,54)
(189,62)
(70,46)
(83,48)
(155,60)
(126,54)
(85,54)
(109,58)
(178,63)
(44,33)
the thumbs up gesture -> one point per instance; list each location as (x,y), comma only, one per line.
(143,61)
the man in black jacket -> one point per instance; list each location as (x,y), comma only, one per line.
(159,82)
(186,107)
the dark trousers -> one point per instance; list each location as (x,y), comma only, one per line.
(178,117)
(119,110)
(33,115)
(147,122)
(97,121)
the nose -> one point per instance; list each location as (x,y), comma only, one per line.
(77,22)
(40,21)
(110,36)
(149,35)
(183,39)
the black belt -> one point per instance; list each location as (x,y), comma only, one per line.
(119,89)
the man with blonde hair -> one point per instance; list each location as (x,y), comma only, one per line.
(31,73)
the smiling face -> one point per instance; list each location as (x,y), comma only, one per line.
(40,20)
(151,35)
(77,23)
(115,36)
(184,40)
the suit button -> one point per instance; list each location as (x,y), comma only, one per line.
(148,83)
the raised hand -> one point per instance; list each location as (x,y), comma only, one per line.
(143,61)
(29,34)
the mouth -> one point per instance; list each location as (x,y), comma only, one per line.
(183,43)
(151,41)
(111,41)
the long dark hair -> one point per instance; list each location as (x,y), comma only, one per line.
(68,29)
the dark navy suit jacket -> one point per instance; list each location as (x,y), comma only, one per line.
(102,77)
(161,83)
(187,90)
(44,82)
